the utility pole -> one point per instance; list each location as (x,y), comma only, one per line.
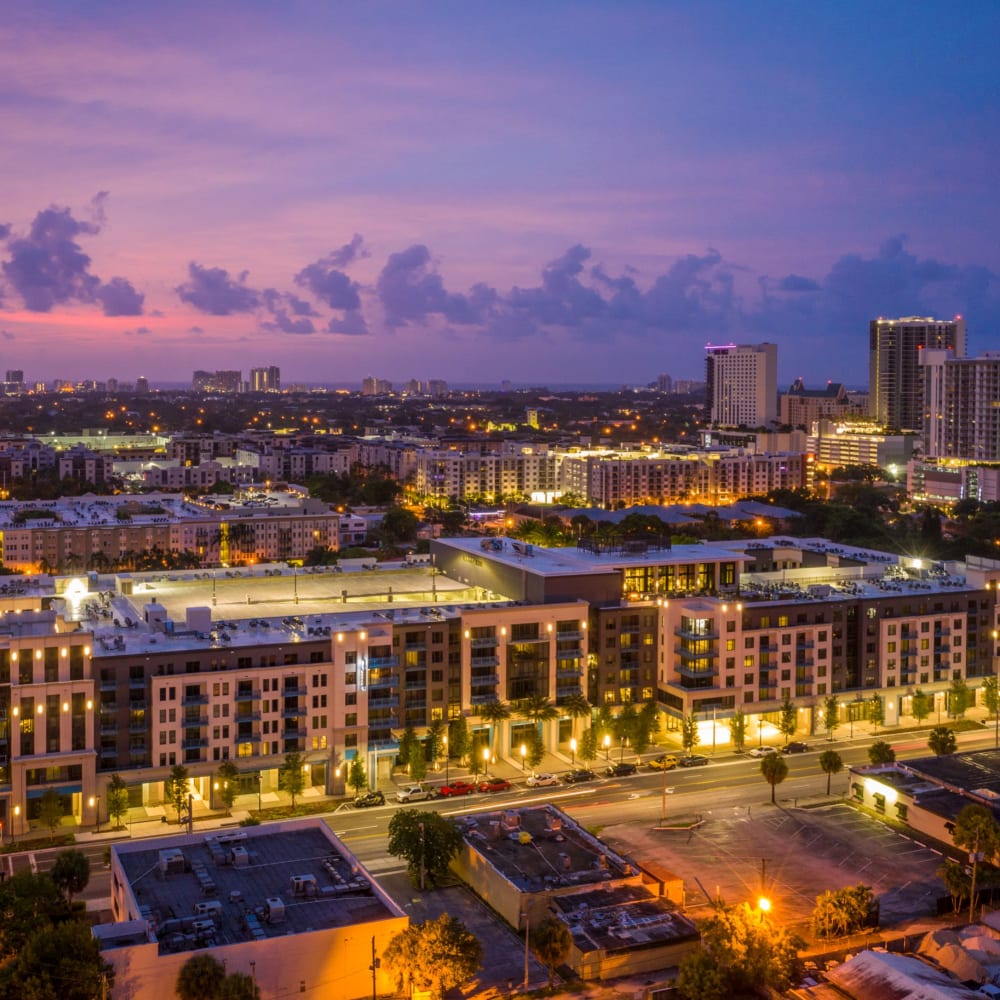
(527,936)
(376,963)
(422,865)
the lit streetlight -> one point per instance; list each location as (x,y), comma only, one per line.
(486,760)
(524,757)
(572,750)
(446,761)
(95,803)
(607,747)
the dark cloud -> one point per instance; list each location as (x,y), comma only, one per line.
(796,283)
(7,335)
(211,290)
(349,252)
(289,313)
(119,298)
(47,267)
(329,284)
(139,331)
(195,329)
(411,291)
(352,325)
(4,230)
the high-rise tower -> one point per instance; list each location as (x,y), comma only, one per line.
(742,384)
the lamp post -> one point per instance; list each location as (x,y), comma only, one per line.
(486,760)
(621,751)
(524,758)
(607,747)
(446,760)
(95,804)
(996,704)
(572,751)
(258,792)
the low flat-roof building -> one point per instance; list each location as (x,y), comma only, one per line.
(286,903)
(537,862)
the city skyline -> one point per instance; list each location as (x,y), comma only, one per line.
(576,194)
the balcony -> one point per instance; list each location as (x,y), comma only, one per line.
(247,717)
(575,636)
(383,662)
(485,661)
(194,744)
(137,683)
(683,633)
(111,685)
(293,734)
(690,670)
(109,730)
(194,699)
(490,642)
(482,699)
(412,703)
(384,722)
(247,695)
(386,701)
(108,707)
(805,644)
(137,706)
(246,738)
(294,692)
(484,680)
(383,683)
(416,647)
(567,673)
(565,691)
(804,661)
(194,721)
(710,654)
(136,728)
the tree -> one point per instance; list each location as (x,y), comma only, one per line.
(881,752)
(775,770)
(921,706)
(958,698)
(576,707)
(59,961)
(27,902)
(956,881)
(50,810)
(416,761)
(459,742)
(227,778)
(787,721)
(239,986)
(942,741)
(689,733)
(876,712)
(738,729)
(434,740)
(551,941)
(538,709)
(406,744)
(201,978)
(991,695)
(977,832)
(648,725)
(357,777)
(754,955)
(290,776)
(831,719)
(436,955)
(175,788)
(700,978)
(426,841)
(830,763)
(844,911)
(71,873)
(588,745)
(494,712)
(116,797)
(626,723)
(398,525)
(536,749)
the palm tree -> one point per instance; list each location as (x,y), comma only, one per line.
(576,707)
(551,941)
(494,712)
(831,763)
(775,770)
(538,709)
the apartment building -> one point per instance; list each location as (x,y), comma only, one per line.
(742,381)
(961,418)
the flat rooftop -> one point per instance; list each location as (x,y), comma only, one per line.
(234,886)
(622,917)
(541,848)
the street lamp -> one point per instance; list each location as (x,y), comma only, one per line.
(764,905)
(95,803)
(446,761)
(607,747)
(572,750)
(486,760)
(524,757)
(258,793)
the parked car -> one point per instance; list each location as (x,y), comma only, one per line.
(620,770)
(665,762)
(762,751)
(542,780)
(414,793)
(458,788)
(580,774)
(495,785)
(694,760)
(796,746)
(375,798)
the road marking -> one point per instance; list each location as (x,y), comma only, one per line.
(33,863)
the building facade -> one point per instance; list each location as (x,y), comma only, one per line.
(742,381)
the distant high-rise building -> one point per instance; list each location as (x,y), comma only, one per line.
(14,375)
(664,383)
(895,375)
(960,415)
(742,382)
(112,385)
(372,386)
(141,385)
(218,381)
(265,379)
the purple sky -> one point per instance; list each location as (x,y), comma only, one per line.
(545,192)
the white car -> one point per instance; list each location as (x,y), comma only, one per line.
(543,779)
(413,793)
(763,751)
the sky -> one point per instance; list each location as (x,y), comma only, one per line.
(550,193)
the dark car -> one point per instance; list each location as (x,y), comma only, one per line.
(375,798)
(620,770)
(694,760)
(795,747)
(457,788)
(580,774)
(495,785)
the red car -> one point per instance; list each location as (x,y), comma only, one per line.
(458,788)
(495,785)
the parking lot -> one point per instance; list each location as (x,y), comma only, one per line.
(793,855)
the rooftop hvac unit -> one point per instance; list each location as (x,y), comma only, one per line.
(241,859)
(274,910)
(171,861)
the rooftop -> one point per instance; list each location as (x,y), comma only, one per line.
(235,886)
(540,847)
